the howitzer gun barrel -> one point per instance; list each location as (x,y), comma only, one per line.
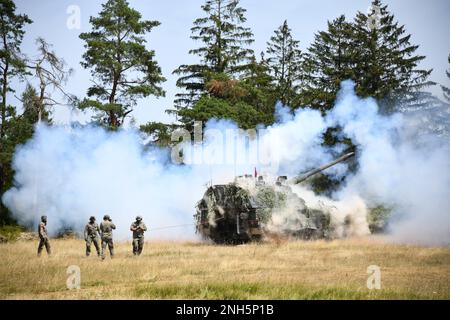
(305,176)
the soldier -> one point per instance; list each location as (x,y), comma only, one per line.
(106,228)
(138,227)
(92,235)
(43,237)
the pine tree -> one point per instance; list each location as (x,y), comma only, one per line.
(34,107)
(19,128)
(327,63)
(285,64)
(123,69)
(224,49)
(159,134)
(248,101)
(258,85)
(386,61)
(12,64)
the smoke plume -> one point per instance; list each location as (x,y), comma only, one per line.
(71,173)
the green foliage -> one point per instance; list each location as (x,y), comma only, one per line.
(160,133)
(225,49)
(32,105)
(243,114)
(246,102)
(324,184)
(123,69)
(329,61)
(284,61)
(12,64)
(379,58)
(18,129)
(378,218)
(227,82)
(11,232)
(386,61)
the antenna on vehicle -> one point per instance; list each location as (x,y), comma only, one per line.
(210,175)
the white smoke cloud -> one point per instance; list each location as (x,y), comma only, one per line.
(398,168)
(70,174)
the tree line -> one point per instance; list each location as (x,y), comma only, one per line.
(228,81)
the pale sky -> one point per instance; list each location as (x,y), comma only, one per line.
(427,21)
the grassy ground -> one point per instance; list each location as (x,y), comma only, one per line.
(11,233)
(175,270)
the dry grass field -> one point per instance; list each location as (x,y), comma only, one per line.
(186,270)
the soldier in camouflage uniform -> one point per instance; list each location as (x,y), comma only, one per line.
(92,235)
(138,227)
(106,228)
(43,237)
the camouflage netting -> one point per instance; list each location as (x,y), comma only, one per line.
(250,207)
(267,200)
(284,212)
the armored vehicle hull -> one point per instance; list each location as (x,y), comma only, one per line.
(240,212)
(227,215)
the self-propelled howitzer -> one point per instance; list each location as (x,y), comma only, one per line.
(242,211)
